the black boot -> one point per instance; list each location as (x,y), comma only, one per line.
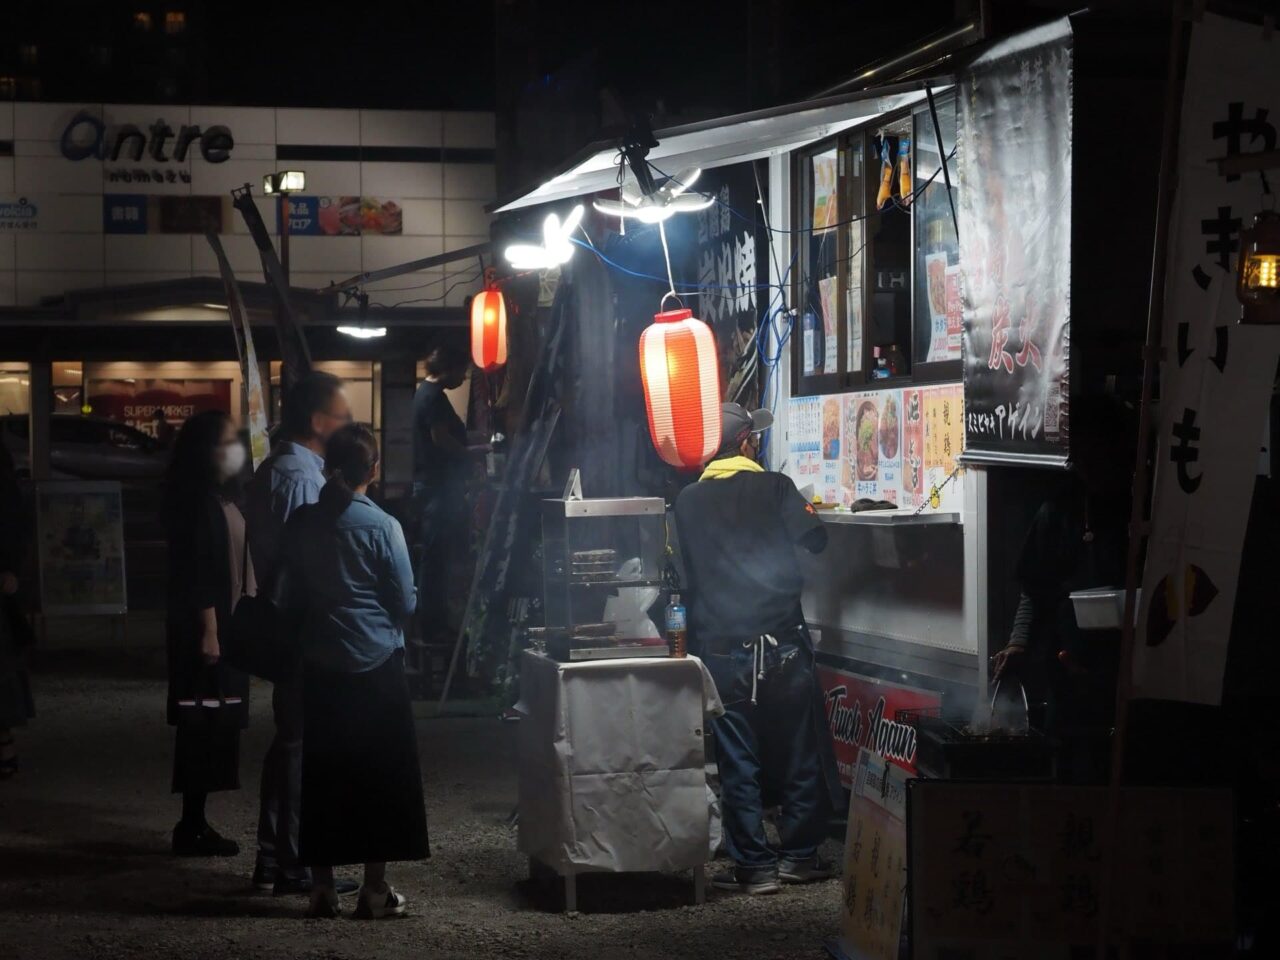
(201,841)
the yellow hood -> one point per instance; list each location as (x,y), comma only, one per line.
(727,467)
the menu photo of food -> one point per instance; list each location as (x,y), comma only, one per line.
(352,216)
(831,428)
(862,450)
(889,436)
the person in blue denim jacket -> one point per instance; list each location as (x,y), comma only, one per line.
(347,588)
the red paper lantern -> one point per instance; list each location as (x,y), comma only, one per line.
(681,379)
(489,329)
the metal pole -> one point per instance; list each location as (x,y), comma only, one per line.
(1167,181)
(284,234)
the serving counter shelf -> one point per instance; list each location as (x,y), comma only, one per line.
(890,518)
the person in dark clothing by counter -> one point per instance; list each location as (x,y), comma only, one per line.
(209,568)
(439,484)
(1077,541)
(739,530)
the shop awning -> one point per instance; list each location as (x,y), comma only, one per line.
(733,139)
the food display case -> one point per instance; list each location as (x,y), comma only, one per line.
(592,551)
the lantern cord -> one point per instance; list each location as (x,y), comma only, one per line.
(666,255)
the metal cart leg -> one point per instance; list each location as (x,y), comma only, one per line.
(699,884)
(570,893)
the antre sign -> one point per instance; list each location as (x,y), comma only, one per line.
(88,137)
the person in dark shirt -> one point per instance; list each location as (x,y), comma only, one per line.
(739,529)
(439,484)
(1077,541)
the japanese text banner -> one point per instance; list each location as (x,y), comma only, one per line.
(1216,377)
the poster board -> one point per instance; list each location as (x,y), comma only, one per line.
(1015,170)
(875,863)
(80,548)
(895,445)
(1006,871)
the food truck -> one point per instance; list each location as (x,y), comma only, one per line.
(915,291)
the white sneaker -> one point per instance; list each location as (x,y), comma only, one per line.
(380,905)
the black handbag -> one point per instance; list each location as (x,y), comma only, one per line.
(212,712)
(259,641)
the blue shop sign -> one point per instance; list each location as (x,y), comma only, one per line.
(124,213)
(304,216)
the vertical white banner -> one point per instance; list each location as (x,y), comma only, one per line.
(1216,375)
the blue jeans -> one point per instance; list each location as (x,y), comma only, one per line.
(771,742)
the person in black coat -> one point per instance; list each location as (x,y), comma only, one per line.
(209,569)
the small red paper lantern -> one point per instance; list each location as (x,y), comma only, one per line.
(681,377)
(489,329)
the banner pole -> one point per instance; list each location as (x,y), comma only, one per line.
(1167,182)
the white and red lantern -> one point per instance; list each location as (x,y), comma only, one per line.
(489,328)
(681,377)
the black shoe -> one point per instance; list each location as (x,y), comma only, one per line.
(811,870)
(202,841)
(345,888)
(755,881)
(264,878)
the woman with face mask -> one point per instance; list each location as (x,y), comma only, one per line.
(209,570)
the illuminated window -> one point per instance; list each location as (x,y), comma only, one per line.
(175,21)
(142,20)
(8,88)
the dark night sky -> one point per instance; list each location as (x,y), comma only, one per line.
(404,54)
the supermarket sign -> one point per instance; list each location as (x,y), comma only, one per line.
(862,713)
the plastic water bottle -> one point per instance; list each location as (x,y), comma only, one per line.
(677,627)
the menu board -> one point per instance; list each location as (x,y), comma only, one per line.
(894,445)
(875,863)
(1005,871)
(80,541)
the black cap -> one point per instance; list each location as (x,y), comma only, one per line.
(736,424)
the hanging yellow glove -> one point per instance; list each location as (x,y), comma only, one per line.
(904,170)
(886,174)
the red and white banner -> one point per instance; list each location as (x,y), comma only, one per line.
(862,712)
(1216,378)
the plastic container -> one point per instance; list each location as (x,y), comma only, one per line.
(677,627)
(1102,608)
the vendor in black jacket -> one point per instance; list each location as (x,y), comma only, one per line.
(739,529)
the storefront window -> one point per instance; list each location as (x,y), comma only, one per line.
(15,388)
(68,386)
(876,286)
(889,230)
(937,311)
(819,308)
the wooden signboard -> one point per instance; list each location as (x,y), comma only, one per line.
(875,862)
(1005,871)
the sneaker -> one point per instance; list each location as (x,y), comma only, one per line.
(286,886)
(755,881)
(810,870)
(264,877)
(380,905)
(202,841)
(324,903)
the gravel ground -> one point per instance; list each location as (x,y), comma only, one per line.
(85,872)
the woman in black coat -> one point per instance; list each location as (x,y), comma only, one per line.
(209,569)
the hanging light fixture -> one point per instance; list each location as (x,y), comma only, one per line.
(1258,270)
(489,326)
(665,201)
(681,377)
(555,249)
